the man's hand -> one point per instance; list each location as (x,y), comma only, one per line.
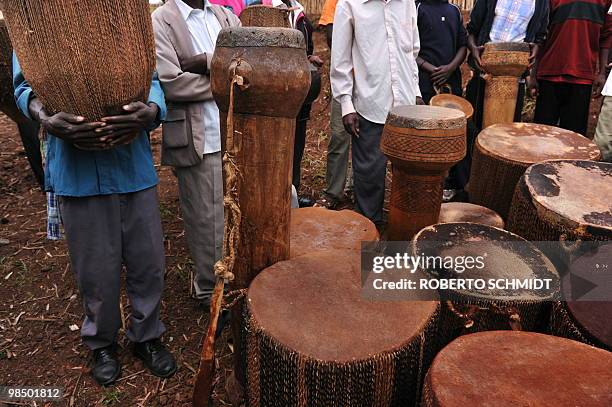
(441,74)
(532,86)
(316,60)
(124,128)
(476,52)
(419,100)
(599,83)
(351,124)
(195,64)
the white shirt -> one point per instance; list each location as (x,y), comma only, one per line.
(375,45)
(204,29)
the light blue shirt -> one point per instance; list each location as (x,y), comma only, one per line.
(73,172)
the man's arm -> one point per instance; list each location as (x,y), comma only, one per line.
(416,48)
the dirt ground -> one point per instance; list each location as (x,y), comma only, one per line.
(40,310)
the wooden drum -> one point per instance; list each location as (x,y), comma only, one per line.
(452,212)
(319,229)
(422,142)
(510,369)
(504,151)
(563,197)
(504,63)
(313,340)
(453,102)
(585,321)
(264,16)
(507,256)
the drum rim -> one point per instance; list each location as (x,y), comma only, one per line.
(247,37)
(452,122)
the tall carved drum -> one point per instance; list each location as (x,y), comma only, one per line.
(313,340)
(504,63)
(563,197)
(319,229)
(504,151)
(505,256)
(510,369)
(422,142)
(452,212)
(264,16)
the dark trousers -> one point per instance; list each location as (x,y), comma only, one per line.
(104,233)
(475,94)
(298,151)
(459,174)
(565,105)
(369,171)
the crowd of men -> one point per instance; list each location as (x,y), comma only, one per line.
(384,54)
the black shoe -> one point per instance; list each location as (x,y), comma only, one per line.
(156,358)
(106,367)
(305,202)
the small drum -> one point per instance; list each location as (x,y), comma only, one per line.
(506,257)
(313,340)
(510,369)
(452,212)
(563,197)
(264,16)
(422,142)
(319,229)
(504,151)
(453,102)
(504,63)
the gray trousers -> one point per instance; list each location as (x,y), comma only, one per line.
(201,197)
(369,171)
(337,154)
(104,233)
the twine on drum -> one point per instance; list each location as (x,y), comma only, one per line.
(468,317)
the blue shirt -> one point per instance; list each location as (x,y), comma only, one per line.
(78,173)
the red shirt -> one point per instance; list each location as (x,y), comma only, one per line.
(577,31)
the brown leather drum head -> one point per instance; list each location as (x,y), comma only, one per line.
(506,256)
(576,194)
(317,229)
(453,102)
(529,143)
(313,305)
(510,369)
(426,117)
(452,212)
(594,317)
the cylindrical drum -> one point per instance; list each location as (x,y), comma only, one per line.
(264,16)
(452,212)
(563,197)
(313,340)
(422,142)
(510,369)
(87,63)
(453,102)
(585,321)
(504,151)
(506,260)
(319,229)
(504,63)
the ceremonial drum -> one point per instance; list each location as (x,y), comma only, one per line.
(84,57)
(564,197)
(452,212)
(264,16)
(504,63)
(453,102)
(504,151)
(319,229)
(510,369)
(585,321)
(505,257)
(422,142)
(313,340)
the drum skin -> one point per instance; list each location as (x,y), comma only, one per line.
(319,229)
(509,369)
(585,321)
(453,102)
(503,152)
(452,212)
(314,340)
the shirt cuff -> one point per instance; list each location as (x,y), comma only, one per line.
(346,102)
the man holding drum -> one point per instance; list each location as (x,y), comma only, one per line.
(373,69)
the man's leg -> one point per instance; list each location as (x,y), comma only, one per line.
(298,151)
(474,93)
(548,103)
(574,112)
(369,171)
(337,155)
(201,197)
(603,134)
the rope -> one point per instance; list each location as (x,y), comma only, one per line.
(467,318)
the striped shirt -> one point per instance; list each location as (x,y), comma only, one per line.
(511,20)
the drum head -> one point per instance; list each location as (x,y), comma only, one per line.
(319,229)
(453,102)
(594,317)
(426,117)
(529,143)
(574,194)
(453,212)
(313,304)
(506,256)
(508,369)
